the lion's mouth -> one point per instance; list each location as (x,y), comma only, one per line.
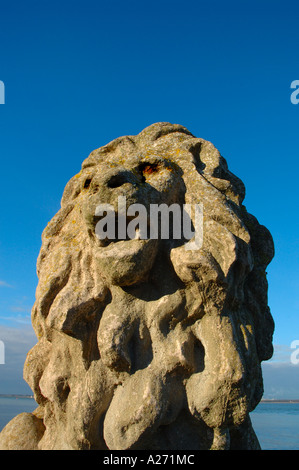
(120,229)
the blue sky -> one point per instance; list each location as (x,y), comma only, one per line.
(78,74)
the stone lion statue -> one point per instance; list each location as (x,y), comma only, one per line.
(143,344)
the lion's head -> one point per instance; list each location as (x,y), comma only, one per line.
(142,343)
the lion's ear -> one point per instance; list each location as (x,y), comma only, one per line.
(72,190)
(213,167)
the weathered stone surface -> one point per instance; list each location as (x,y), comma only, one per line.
(22,433)
(142,344)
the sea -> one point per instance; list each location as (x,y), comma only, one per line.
(276,424)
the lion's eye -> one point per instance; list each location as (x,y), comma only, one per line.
(147,169)
(87,183)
